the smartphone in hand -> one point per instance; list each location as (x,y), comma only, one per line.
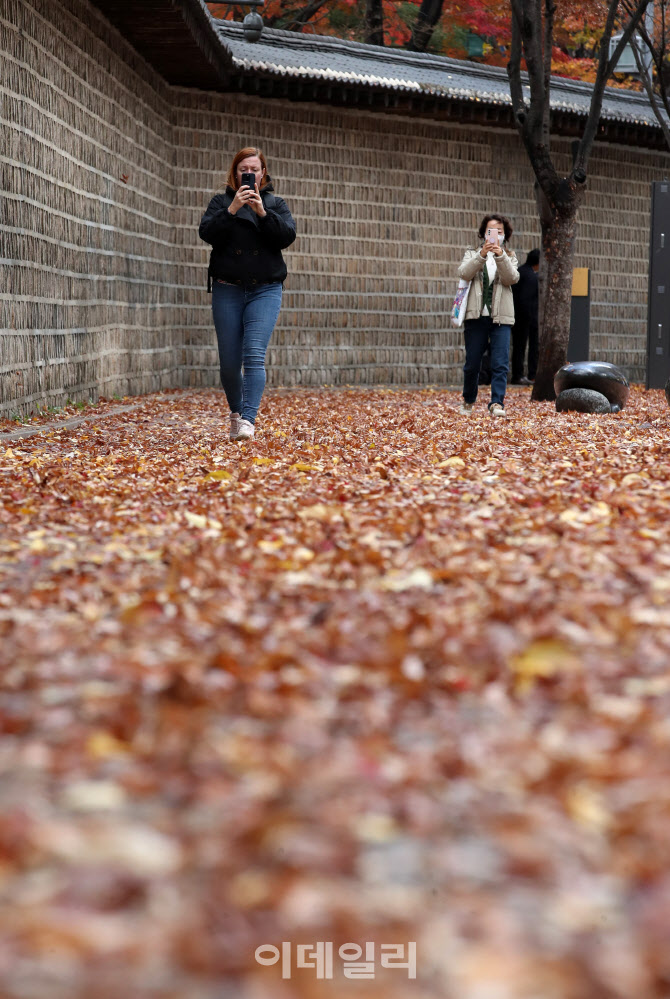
(493,236)
(248,180)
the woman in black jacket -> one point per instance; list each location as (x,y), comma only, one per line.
(247,227)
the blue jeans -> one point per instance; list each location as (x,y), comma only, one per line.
(478,334)
(244,319)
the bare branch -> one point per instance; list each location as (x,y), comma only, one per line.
(656,52)
(648,85)
(531,40)
(291,19)
(309,11)
(605,68)
(654,44)
(374,22)
(532,118)
(429,14)
(514,68)
(549,10)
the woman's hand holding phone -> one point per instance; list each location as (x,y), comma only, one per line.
(491,244)
(246,195)
(255,202)
(239,201)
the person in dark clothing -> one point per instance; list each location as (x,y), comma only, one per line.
(524,331)
(247,228)
(485,369)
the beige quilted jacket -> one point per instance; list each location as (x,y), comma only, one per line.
(471,269)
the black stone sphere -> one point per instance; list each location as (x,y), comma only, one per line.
(581,400)
(599,376)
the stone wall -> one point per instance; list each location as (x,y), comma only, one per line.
(107,172)
(89,302)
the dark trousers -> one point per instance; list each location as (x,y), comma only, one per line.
(524,332)
(480,334)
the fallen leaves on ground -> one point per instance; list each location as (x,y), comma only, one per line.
(385,673)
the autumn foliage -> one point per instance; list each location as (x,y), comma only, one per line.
(479,29)
(385,673)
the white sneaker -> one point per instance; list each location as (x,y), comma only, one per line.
(495,409)
(467,407)
(235,420)
(246,431)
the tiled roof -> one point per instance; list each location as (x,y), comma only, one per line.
(320,58)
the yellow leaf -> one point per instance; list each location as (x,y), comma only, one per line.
(263,461)
(93,796)
(452,462)
(9,453)
(398,581)
(157,554)
(300,466)
(587,807)
(101,745)
(375,828)
(219,474)
(597,512)
(270,546)
(320,512)
(569,516)
(303,554)
(195,519)
(544,658)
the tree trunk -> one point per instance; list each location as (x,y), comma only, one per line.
(555,281)
(429,14)
(374,22)
(560,198)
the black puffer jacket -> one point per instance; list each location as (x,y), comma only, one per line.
(246,249)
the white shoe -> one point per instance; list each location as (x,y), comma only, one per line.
(246,431)
(235,420)
(495,409)
(467,407)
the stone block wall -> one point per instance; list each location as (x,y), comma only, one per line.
(106,171)
(89,295)
(385,207)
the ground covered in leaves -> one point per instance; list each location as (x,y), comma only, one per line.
(384,674)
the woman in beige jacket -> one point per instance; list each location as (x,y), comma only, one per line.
(493,269)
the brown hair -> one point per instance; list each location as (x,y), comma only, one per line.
(231,179)
(507,225)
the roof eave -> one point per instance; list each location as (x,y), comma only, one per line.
(177,37)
